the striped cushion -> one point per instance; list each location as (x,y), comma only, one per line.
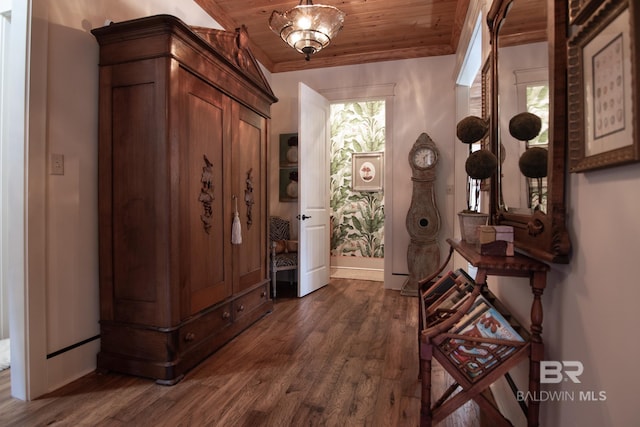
(288,259)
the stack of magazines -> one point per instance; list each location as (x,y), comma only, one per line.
(481,337)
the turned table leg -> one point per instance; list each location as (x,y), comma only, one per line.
(538,283)
(425,368)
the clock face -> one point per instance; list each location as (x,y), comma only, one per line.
(424,158)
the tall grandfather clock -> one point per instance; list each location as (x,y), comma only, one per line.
(423,218)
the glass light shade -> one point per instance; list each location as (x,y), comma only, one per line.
(307,28)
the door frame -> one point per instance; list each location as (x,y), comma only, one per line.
(371,93)
(23,164)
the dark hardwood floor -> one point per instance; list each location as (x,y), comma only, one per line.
(345,355)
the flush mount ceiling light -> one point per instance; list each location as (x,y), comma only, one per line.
(308,28)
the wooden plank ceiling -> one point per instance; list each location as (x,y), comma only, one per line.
(374,30)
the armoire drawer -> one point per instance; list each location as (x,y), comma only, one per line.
(205,325)
(249,301)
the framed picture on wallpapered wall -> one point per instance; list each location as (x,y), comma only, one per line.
(367,171)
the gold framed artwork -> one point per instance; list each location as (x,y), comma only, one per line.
(603,93)
(367,171)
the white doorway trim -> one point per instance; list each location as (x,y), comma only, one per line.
(387,93)
(23,201)
(5,29)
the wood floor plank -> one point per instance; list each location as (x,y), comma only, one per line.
(345,355)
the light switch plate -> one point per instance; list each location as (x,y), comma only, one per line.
(57,164)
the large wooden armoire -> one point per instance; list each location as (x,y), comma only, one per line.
(183,132)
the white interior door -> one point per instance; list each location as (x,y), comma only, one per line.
(313,190)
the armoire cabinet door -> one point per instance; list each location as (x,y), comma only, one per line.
(204,230)
(249,178)
(134,195)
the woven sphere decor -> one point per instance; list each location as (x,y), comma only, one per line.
(471,129)
(533,162)
(481,164)
(525,126)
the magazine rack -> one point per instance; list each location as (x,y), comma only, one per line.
(500,355)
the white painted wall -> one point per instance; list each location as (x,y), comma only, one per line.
(424,102)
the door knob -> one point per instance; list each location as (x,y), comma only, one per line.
(303,217)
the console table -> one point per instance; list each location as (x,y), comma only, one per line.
(434,338)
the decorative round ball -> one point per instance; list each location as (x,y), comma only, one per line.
(481,164)
(471,129)
(533,162)
(525,126)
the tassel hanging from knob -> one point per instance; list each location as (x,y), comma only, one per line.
(236,230)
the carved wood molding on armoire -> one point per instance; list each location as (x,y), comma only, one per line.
(183,130)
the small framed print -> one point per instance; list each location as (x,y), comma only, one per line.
(288,149)
(367,171)
(288,190)
(603,94)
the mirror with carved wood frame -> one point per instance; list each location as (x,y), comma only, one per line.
(540,234)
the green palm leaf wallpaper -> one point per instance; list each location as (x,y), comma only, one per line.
(357,217)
